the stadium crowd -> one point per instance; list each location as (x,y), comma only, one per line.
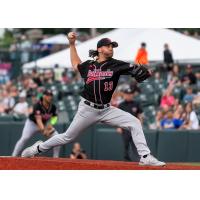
(178,112)
(175,106)
(18,96)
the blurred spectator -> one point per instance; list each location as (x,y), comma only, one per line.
(27,82)
(179,116)
(76,77)
(159,117)
(22,106)
(7,102)
(28,85)
(45,50)
(78,152)
(168,122)
(48,77)
(65,78)
(189,96)
(134,86)
(174,75)
(13,91)
(142,55)
(168,58)
(189,77)
(25,47)
(36,78)
(40,91)
(176,104)
(13,51)
(33,101)
(191,122)
(196,101)
(168,99)
(58,73)
(157,77)
(41,75)
(198,79)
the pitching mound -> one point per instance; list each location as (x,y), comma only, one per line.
(44,163)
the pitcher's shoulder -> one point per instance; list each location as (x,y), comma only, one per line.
(119,62)
(86,63)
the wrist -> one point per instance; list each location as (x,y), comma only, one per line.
(72,44)
(42,130)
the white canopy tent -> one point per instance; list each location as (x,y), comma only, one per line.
(57,39)
(2,31)
(184,48)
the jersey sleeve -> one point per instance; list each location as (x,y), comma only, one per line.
(124,68)
(82,68)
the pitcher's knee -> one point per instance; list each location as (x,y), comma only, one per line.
(135,124)
(68,138)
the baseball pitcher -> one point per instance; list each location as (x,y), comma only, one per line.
(101,76)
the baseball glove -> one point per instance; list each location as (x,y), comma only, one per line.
(141,73)
(49,129)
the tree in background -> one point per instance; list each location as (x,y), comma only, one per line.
(7,39)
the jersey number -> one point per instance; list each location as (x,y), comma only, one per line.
(108,86)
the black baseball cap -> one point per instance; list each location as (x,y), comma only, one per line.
(105,42)
(48,92)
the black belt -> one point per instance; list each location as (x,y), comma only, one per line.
(96,106)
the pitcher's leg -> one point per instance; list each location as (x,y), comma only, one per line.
(120,118)
(82,120)
(28,131)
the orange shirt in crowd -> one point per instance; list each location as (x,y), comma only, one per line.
(141,57)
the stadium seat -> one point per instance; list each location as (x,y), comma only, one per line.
(6,118)
(61,106)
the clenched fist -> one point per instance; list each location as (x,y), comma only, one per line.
(71,36)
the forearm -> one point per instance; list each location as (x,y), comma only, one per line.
(75,60)
(40,124)
(136,71)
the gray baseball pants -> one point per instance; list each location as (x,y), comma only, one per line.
(87,116)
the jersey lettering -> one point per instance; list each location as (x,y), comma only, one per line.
(108,86)
(98,75)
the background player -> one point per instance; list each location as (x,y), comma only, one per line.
(101,77)
(43,111)
(134,108)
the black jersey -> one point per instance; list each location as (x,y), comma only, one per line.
(101,78)
(46,114)
(132,107)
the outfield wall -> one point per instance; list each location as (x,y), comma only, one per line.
(103,143)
